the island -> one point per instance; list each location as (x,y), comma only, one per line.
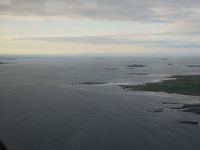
(1,63)
(193,66)
(181,84)
(136,65)
(170,64)
(192,108)
(190,122)
(139,74)
(90,83)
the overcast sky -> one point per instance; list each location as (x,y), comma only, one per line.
(99,26)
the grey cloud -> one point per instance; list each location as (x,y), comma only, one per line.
(169,43)
(137,10)
(81,39)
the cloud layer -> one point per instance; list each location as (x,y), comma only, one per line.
(137,10)
(159,40)
(162,24)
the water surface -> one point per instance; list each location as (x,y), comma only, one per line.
(43,106)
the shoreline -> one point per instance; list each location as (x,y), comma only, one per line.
(178,84)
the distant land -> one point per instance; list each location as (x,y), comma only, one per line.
(193,66)
(136,65)
(91,83)
(138,73)
(1,63)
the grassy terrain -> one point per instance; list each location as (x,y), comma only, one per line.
(187,85)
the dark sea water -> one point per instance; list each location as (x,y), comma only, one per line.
(42,106)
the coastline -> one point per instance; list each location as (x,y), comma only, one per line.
(179,84)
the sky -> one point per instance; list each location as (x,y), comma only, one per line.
(100,26)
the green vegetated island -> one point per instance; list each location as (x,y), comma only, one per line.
(182,84)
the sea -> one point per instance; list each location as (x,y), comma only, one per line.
(46,103)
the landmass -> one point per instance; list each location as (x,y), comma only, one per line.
(190,122)
(187,85)
(1,63)
(158,110)
(170,64)
(91,83)
(193,66)
(192,108)
(138,73)
(136,65)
